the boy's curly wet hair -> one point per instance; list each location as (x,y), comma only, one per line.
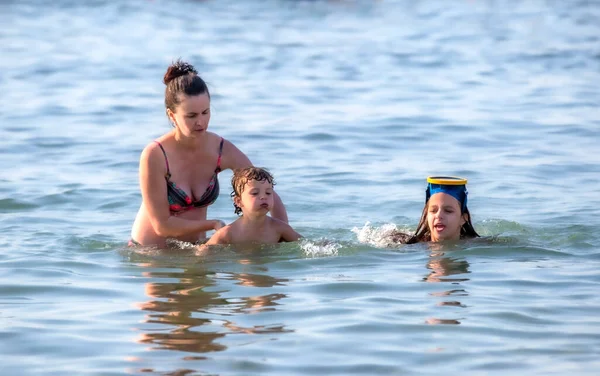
(242,176)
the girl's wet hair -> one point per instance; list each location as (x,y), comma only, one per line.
(182,78)
(242,176)
(423,233)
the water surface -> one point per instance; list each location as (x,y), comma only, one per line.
(351,104)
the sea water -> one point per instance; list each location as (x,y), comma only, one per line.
(351,104)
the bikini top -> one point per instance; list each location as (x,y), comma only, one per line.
(179,200)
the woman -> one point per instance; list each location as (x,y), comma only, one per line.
(179,171)
(445,215)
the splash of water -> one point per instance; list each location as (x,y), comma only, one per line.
(378,236)
(320,248)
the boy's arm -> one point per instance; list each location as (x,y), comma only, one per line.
(221,236)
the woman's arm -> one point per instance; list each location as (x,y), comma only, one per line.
(278,210)
(287,233)
(234,158)
(154,196)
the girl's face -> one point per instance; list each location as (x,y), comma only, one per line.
(257,198)
(192,115)
(444,218)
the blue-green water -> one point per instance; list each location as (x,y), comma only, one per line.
(351,104)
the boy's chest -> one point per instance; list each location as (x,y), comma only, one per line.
(264,236)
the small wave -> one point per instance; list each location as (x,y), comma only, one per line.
(180,244)
(320,248)
(93,243)
(175,256)
(378,236)
(493,227)
(10,205)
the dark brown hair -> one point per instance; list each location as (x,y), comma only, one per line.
(423,233)
(182,78)
(242,176)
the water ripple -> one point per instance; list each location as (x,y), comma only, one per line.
(351,105)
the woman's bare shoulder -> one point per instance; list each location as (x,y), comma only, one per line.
(150,153)
(278,222)
(154,145)
(233,157)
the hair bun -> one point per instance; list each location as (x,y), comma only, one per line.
(178,69)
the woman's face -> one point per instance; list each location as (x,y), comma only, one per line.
(192,115)
(444,218)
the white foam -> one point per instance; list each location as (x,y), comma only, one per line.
(320,248)
(376,236)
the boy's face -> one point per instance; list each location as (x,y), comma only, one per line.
(257,197)
(444,218)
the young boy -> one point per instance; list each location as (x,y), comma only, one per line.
(253,199)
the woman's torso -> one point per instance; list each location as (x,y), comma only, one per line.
(144,234)
(191,173)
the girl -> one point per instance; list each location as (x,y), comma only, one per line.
(445,215)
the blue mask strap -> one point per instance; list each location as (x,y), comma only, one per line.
(459,192)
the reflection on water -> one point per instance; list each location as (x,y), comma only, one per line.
(195,309)
(440,268)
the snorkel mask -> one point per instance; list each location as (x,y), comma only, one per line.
(455,187)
